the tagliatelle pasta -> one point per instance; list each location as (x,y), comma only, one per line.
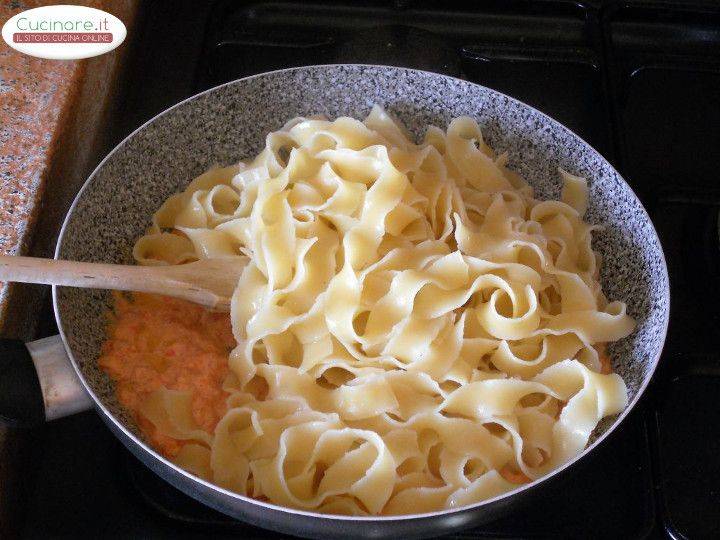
(414,330)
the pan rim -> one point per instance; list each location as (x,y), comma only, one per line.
(367,519)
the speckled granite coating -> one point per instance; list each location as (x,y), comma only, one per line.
(50,117)
(229,123)
(35,94)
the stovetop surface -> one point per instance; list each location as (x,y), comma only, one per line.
(640,81)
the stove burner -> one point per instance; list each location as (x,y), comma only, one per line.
(405,46)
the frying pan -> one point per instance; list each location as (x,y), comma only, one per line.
(228,123)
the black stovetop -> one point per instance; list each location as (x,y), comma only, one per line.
(640,81)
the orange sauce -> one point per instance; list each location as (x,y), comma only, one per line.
(155,341)
(513,476)
(605,362)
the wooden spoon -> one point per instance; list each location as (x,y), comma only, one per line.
(208,282)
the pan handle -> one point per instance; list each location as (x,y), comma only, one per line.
(38,383)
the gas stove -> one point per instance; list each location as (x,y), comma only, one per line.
(640,81)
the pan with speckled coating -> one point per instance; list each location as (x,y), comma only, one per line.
(228,123)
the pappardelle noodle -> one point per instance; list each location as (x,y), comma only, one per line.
(414,331)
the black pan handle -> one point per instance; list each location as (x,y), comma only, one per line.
(21,399)
(38,383)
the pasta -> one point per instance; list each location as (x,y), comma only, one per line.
(414,330)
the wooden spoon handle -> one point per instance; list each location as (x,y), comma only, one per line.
(82,274)
(208,283)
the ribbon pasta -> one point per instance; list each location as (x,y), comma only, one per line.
(414,330)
